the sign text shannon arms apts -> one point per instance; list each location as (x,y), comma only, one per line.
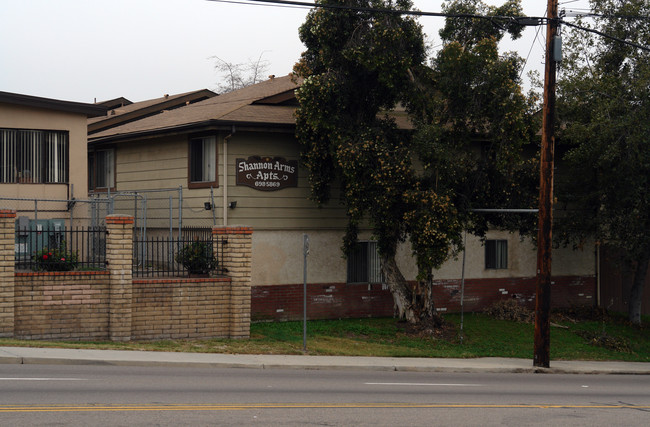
(266,173)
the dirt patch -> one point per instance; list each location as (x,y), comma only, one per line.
(580,314)
(607,341)
(511,309)
(436,328)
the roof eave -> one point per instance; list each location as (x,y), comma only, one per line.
(217,125)
(174,102)
(90,110)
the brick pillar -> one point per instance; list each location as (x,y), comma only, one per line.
(7,273)
(236,259)
(119,259)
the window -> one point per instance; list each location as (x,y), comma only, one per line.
(33,156)
(203,162)
(496,254)
(363,264)
(101,169)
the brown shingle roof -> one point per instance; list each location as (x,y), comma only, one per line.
(235,107)
(129,112)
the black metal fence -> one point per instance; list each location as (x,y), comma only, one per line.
(174,257)
(53,247)
(50,246)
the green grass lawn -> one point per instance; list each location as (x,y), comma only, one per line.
(482,336)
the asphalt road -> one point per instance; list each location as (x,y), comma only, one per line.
(112,395)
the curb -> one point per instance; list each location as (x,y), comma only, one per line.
(55,356)
(18,360)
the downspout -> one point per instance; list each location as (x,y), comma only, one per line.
(225,175)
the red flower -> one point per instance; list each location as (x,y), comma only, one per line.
(44,256)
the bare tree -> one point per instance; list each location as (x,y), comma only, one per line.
(233,76)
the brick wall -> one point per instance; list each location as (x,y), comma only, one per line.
(566,291)
(180,308)
(237,263)
(119,263)
(324,301)
(7,265)
(332,301)
(111,305)
(57,305)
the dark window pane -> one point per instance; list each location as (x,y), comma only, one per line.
(496,254)
(364,264)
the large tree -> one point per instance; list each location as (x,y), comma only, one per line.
(475,123)
(604,111)
(359,65)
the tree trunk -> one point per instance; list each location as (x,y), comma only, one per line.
(636,292)
(414,303)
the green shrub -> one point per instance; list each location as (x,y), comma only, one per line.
(57,259)
(197,258)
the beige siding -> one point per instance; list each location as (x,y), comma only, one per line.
(163,163)
(152,164)
(286,209)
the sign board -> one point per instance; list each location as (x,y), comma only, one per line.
(267,173)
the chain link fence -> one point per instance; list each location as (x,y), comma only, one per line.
(161,212)
(159,215)
(73,212)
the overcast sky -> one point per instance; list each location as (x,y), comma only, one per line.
(87,50)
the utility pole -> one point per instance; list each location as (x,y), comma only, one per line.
(545,219)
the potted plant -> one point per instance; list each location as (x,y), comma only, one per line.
(197,258)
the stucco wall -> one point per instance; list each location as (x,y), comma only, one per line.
(20,117)
(278,259)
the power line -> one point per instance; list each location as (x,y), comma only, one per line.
(248,3)
(523,68)
(586,13)
(522,20)
(600,33)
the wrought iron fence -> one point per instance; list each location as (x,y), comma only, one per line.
(174,257)
(54,247)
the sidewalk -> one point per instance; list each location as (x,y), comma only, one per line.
(32,355)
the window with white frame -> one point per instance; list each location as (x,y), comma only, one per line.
(101,169)
(364,265)
(33,156)
(496,254)
(203,161)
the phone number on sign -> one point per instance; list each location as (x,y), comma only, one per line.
(266,184)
